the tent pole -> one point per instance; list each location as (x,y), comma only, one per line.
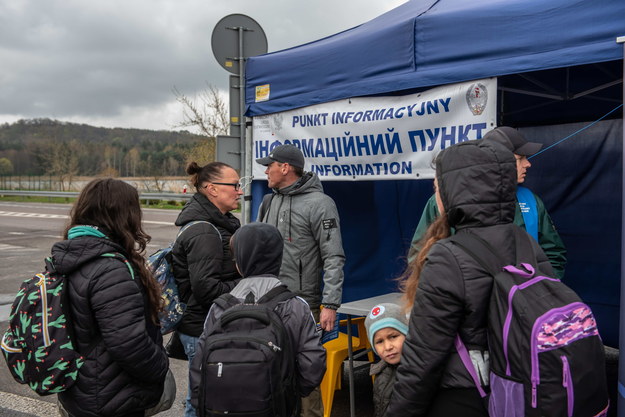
(621,362)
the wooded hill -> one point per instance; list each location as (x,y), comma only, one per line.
(51,147)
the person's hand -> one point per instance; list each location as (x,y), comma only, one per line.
(327,318)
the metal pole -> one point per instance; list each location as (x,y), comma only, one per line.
(621,361)
(245,216)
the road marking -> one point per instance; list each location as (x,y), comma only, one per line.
(62,216)
(156,222)
(7,247)
(36,215)
(27,405)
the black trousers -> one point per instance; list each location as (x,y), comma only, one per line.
(461,402)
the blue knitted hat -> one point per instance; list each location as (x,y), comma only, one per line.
(386,315)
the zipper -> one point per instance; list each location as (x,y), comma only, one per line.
(535,378)
(567,383)
(220,368)
(44,307)
(269,343)
(275,348)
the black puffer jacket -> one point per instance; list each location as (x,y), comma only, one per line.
(477,182)
(125,372)
(203,264)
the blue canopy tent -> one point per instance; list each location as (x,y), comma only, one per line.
(559,69)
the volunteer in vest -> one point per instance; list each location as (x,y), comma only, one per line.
(309,223)
(257,250)
(530,211)
(114,311)
(448,291)
(202,261)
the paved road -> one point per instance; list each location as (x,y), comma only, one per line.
(27,231)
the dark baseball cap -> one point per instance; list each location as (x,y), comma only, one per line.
(284,154)
(513,140)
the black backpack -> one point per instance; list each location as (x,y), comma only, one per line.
(248,363)
(546,355)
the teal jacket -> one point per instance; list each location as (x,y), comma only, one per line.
(548,236)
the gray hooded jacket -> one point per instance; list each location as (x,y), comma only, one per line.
(309,223)
(258,251)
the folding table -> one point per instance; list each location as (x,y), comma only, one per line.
(360,308)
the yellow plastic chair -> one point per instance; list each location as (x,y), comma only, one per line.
(336,353)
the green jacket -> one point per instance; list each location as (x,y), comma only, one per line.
(548,236)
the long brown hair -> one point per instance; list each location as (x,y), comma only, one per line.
(113,205)
(409,280)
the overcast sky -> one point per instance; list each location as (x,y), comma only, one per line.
(114,63)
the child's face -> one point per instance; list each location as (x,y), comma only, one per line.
(388,343)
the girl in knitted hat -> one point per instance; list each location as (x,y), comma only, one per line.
(387,326)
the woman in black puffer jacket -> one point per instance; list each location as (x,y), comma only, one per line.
(114,305)
(203,264)
(448,291)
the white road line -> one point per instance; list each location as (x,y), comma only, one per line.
(62,216)
(27,405)
(35,215)
(7,247)
(156,222)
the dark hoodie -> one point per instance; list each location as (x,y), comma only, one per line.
(477,183)
(258,250)
(258,253)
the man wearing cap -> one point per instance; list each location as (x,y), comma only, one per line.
(530,209)
(313,251)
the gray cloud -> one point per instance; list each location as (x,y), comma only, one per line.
(115,62)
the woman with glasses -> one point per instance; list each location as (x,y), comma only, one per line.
(203,264)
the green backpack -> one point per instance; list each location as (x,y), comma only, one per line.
(38,345)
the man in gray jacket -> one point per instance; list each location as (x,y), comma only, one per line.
(313,251)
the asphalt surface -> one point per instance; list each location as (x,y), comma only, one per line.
(27,232)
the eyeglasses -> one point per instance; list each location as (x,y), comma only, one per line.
(236,185)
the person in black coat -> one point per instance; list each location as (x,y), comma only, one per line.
(202,262)
(448,291)
(114,305)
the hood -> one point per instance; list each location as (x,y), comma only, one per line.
(308,183)
(257,249)
(70,255)
(477,182)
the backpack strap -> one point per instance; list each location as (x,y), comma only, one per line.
(227,300)
(468,364)
(488,257)
(122,258)
(476,247)
(264,206)
(188,225)
(275,296)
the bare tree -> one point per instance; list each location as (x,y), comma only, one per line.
(61,160)
(207,113)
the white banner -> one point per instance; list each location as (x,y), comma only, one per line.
(390,137)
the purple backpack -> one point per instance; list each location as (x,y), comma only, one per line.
(546,355)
